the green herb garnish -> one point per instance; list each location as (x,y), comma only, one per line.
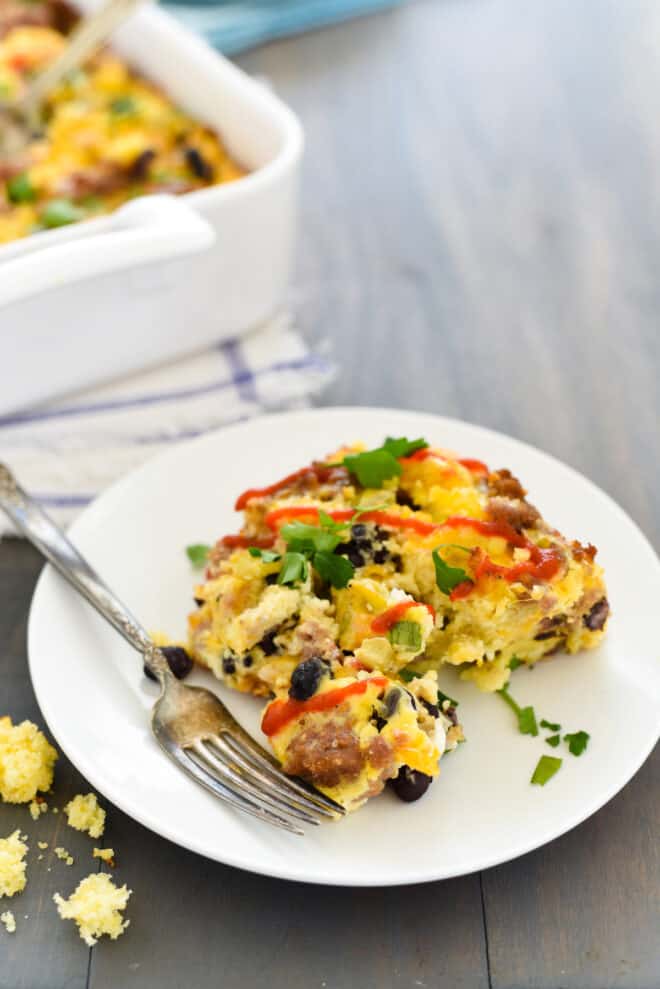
(550,725)
(60,212)
(514,663)
(553,740)
(375,466)
(445,697)
(406,634)
(546,768)
(577,742)
(294,568)
(198,554)
(123,106)
(267,555)
(336,570)
(525,715)
(317,544)
(446,577)
(20,189)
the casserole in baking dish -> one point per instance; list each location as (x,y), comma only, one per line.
(159,277)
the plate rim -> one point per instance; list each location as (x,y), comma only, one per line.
(88,771)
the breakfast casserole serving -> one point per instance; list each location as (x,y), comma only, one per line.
(353,581)
(109,135)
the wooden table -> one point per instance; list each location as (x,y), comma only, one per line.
(481,238)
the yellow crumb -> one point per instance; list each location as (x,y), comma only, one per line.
(12,864)
(56,810)
(39,857)
(26,761)
(8,919)
(64,855)
(42,844)
(96,906)
(106,854)
(84,814)
(37,808)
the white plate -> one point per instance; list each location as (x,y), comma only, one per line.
(482,810)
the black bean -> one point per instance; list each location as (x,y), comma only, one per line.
(140,167)
(381,555)
(410,784)
(199,602)
(433,709)
(359,531)
(247,661)
(596,618)
(391,701)
(268,643)
(271,578)
(178,661)
(306,678)
(403,498)
(198,165)
(229,665)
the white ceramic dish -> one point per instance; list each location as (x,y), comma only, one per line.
(482,810)
(121,304)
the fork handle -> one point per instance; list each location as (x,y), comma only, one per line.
(52,543)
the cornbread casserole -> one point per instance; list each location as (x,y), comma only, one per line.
(381,566)
(109,134)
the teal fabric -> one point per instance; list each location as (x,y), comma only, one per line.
(235,26)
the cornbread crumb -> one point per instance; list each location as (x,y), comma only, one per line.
(64,855)
(42,844)
(39,857)
(8,919)
(84,814)
(26,761)
(106,854)
(56,810)
(12,864)
(96,906)
(37,808)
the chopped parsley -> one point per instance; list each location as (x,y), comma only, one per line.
(198,554)
(446,577)
(123,106)
(550,725)
(316,544)
(525,715)
(577,742)
(20,189)
(336,570)
(553,740)
(373,467)
(294,568)
(546,768)
(267,555)
(406,634)
(60,212)
(514,663)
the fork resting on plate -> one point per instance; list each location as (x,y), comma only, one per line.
(191,724)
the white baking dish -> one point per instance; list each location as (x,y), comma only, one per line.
(160,277)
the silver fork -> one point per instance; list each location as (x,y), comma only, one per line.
(191,724)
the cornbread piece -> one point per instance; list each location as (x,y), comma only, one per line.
(349,735)
(26,761)
(37,808)
(42,844)
(7,918)
(64,855)
(84,814)
(403,558)
(96,906)
(107,855)
(12,864)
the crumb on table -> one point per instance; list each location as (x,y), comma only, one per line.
(12,864)
(95,905)
(27,760)
(84,814)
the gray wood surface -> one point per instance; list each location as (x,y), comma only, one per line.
(481,202)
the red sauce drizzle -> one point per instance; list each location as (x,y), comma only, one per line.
(242,542)
(474,466)
(385,621)
(279,713)
(275,518)
(315,472)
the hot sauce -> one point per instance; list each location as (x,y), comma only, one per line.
(279,713)
(383,623)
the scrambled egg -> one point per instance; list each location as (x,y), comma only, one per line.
(109,136)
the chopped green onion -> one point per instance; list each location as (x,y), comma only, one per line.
(546,768)
(406,634)
(20,189)
(198,554)
(60,212)
(550,725)
(525,715)
(553,740)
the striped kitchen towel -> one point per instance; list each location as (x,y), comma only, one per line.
(234,25)
(68,451)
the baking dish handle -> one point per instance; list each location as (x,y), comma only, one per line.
(147,230)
